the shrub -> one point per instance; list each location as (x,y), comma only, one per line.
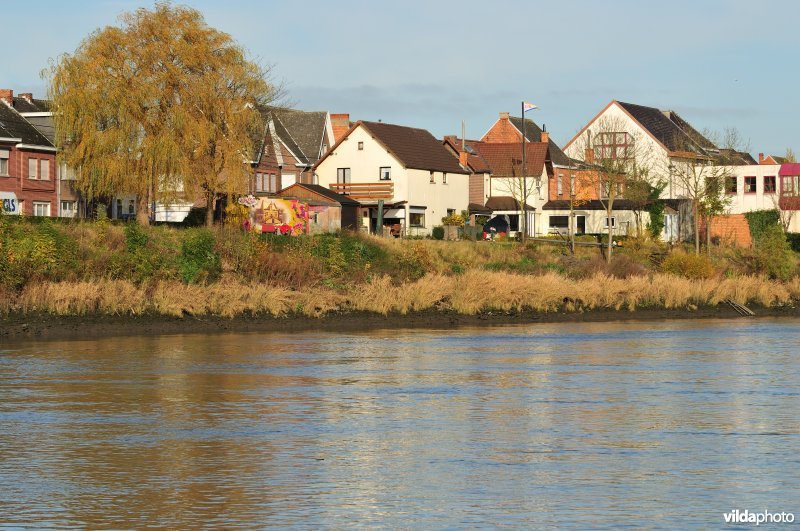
(794,241)
(438,233)
(773,255)
(199,260)
(760,221)
(692,266)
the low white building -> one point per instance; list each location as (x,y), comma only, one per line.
(416,178)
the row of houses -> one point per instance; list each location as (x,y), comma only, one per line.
(402,180)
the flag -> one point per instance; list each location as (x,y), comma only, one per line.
(528,106)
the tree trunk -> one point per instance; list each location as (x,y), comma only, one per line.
(211,203)
(609,210)
(696,230)
(143,211)
(708,235)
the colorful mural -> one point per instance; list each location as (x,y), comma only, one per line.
(279,216)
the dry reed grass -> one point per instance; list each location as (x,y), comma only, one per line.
(470,293)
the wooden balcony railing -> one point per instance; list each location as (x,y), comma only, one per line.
(365,191)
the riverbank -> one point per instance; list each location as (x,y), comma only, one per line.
(57,327)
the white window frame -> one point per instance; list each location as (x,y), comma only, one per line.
(69,211)
(33,164)
(343,176)
(39,204)
(613,222)
(385,173)
(44,170)
(5,155)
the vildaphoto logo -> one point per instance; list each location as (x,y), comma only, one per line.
(747,517)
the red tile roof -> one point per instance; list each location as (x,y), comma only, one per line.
(505,160)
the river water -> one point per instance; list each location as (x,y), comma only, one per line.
(668,424)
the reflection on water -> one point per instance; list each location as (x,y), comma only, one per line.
(648,424)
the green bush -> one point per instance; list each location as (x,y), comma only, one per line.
(794,241)
(199,260)
(438,233)
(760,221)
(693,266)
(773,254)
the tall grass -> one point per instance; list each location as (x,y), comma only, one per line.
(470,293)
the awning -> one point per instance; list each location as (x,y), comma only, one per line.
(417,210)
(792,168)
(395,213)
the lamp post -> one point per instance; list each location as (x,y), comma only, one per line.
(524,181)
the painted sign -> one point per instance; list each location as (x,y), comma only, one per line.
(279,216)
(10,203)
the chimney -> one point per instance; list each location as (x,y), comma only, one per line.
(7,95)
(462,158)
(588,156)
(761,158)
(504,116)
(340,120)
(545,136)
(27,96)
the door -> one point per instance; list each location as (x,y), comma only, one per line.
(580,224)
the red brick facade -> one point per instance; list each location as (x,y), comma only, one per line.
(26,190)
(503,131)
(731,229)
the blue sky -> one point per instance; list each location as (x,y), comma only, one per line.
(433,64)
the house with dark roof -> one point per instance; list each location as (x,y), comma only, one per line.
(664,142)
(403,174)
(515,189)
(479,171)
(28,176)
(291,142)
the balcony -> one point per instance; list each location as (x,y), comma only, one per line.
(365,191)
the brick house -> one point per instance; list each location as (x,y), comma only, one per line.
(291,143)
(28,173)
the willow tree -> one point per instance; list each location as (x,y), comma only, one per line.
(153,107)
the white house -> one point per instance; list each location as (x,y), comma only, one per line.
(661,143)
(417,179)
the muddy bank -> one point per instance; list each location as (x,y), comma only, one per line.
(45,326)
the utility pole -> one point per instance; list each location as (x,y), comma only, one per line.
(524,181)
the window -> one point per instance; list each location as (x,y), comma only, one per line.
(730,185)
(613,222)
(33,166)
(131,207)
(259,182)
(385,173)
(361,146)
(750,185)
(273,183)
(790,186)
(67,174)
(444,177)
(613,146)
(343,175)
(769,184)
(68,209)
(41,209)
(119,208)
(559,186)
(559,222)
(433,179)
(4,156)
(416,219)
(451,212)
(44,170)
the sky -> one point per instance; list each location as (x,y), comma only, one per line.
(431,64)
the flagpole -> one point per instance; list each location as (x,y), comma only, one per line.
(524,181)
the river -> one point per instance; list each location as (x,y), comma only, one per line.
(644,424)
